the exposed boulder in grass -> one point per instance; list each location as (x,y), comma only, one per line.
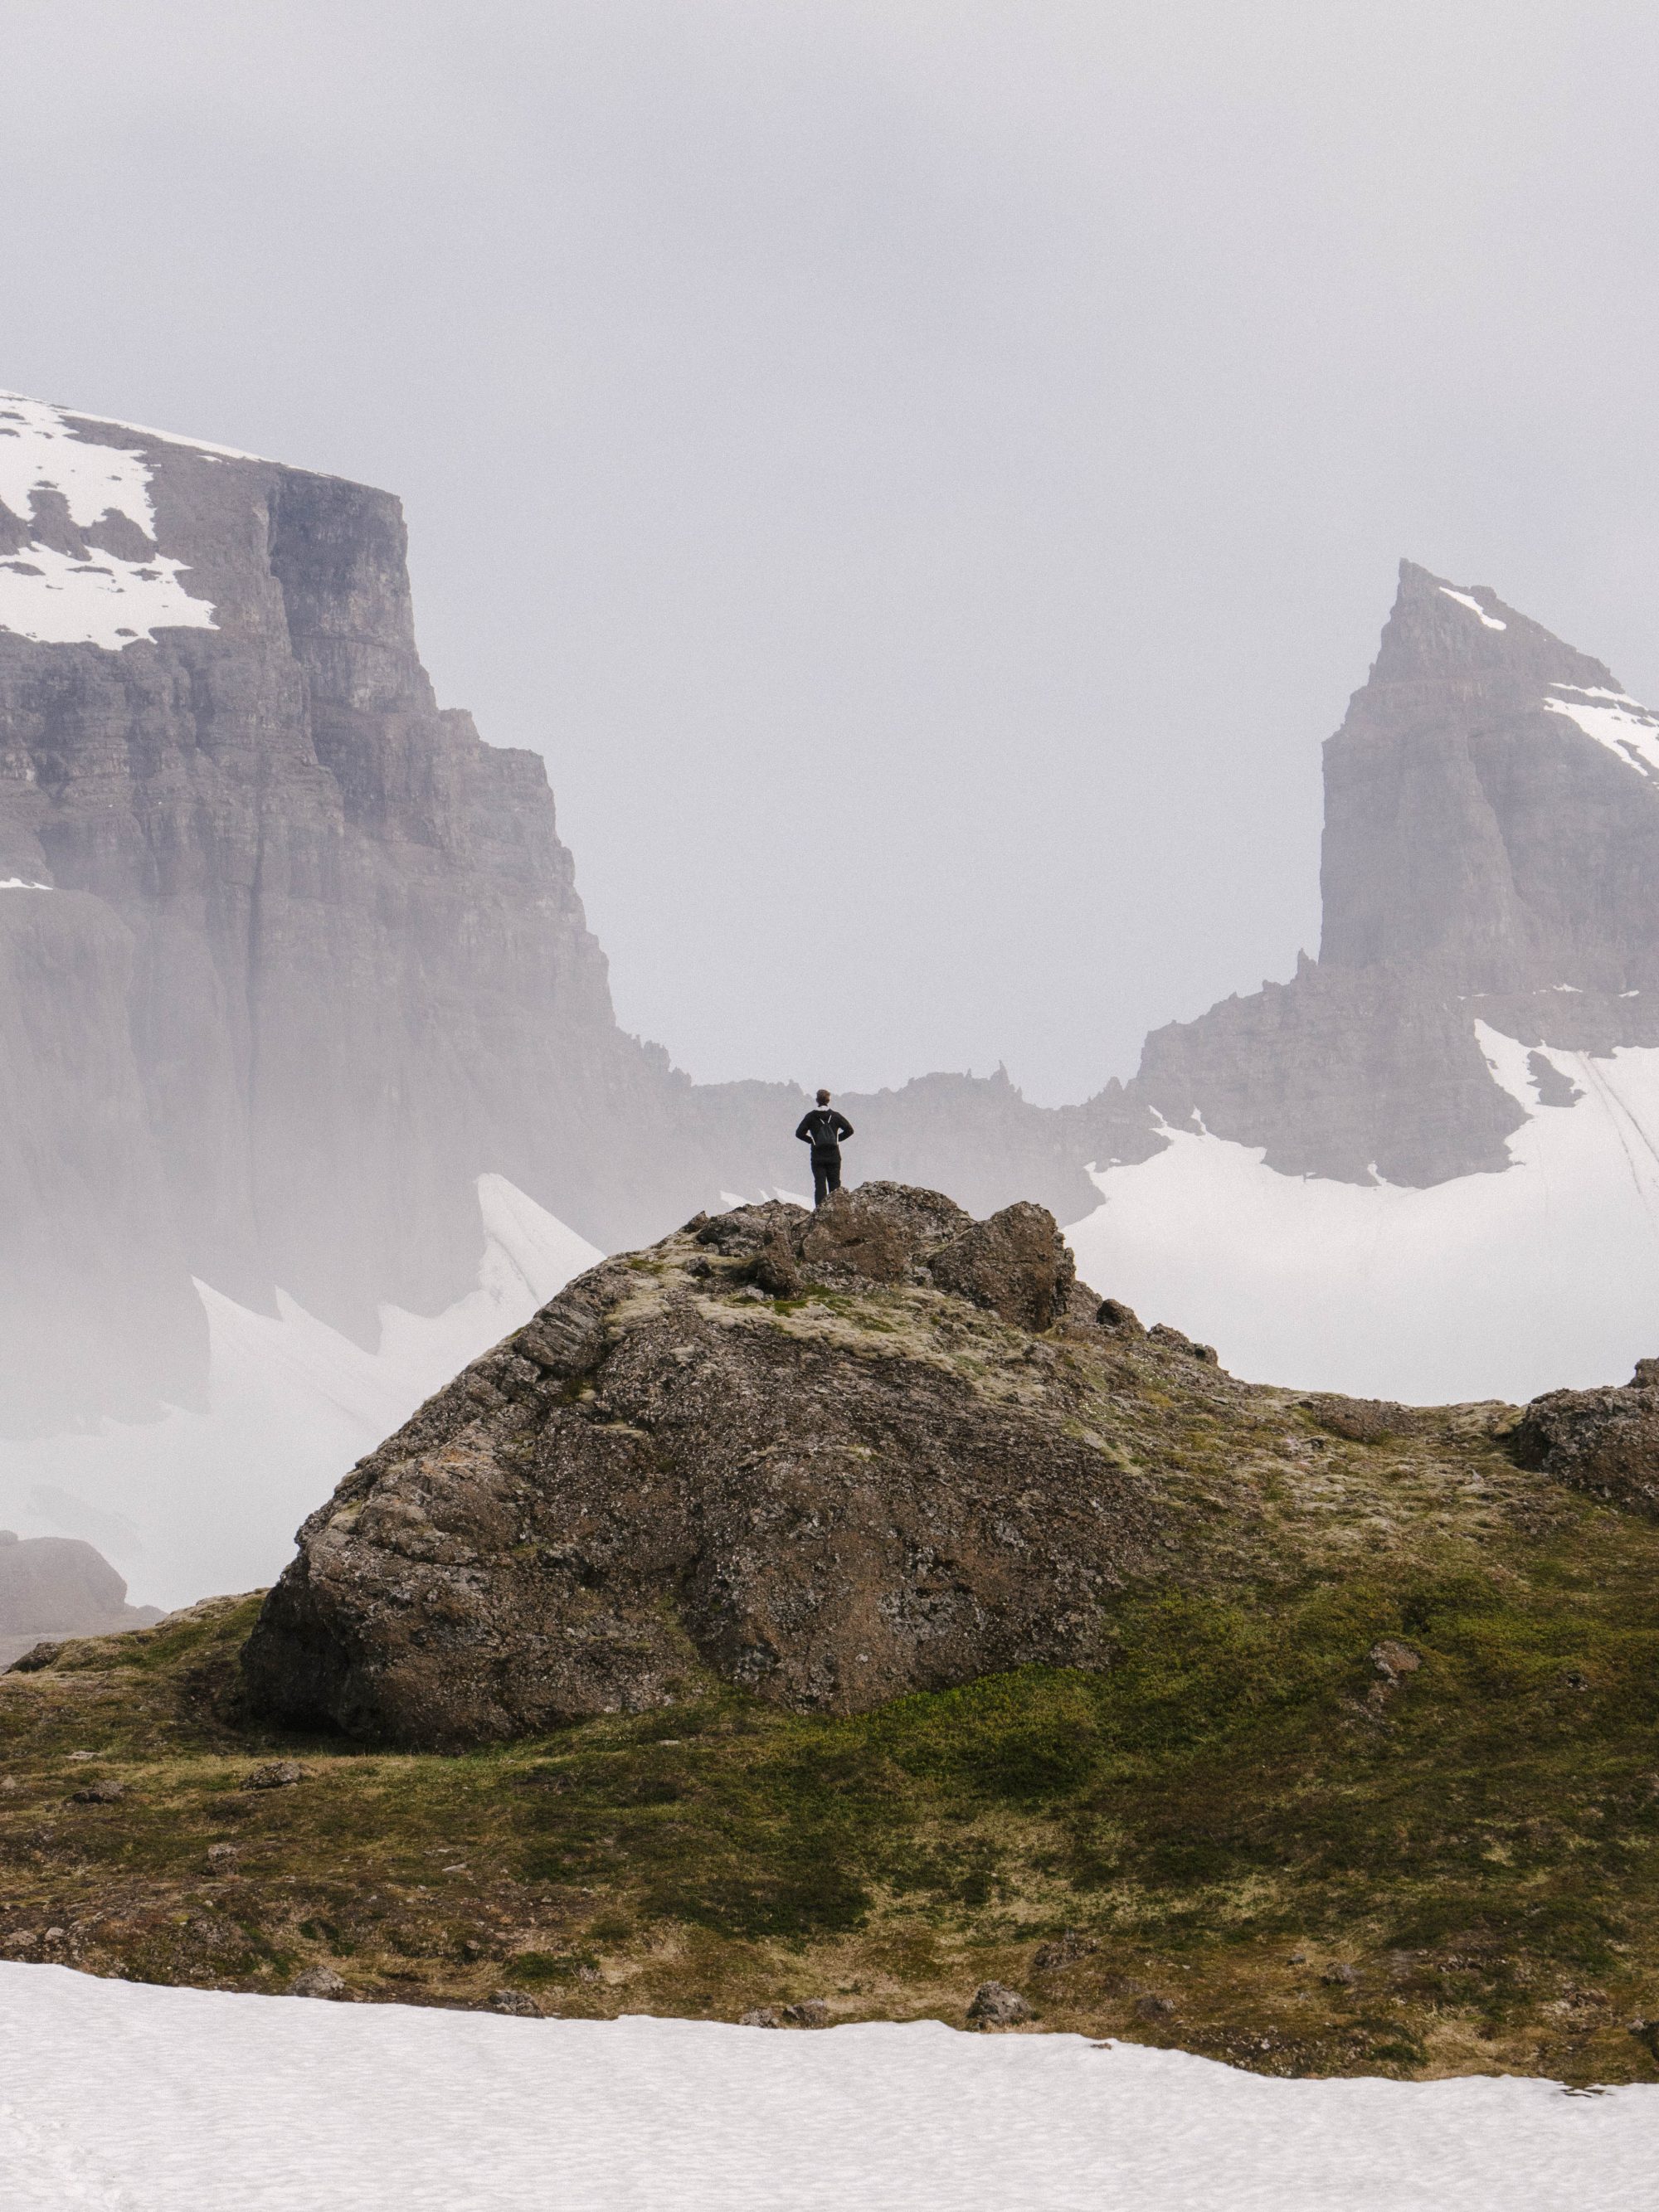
(871,1490)
(319,1982)
(1605,1442)
(1064,1951)
(994,2004)
(276,1774)
(1363,1420)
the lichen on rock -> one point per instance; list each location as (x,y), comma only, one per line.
(1605,1442)
(826,1456)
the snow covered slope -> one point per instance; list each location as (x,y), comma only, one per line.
(200,1503)
(120,2095)
(105,584)
(1499,1286)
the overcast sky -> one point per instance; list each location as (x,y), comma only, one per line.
(928,477)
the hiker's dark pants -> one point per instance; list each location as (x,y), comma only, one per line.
(826,1175)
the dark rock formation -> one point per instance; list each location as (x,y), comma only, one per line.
(1605,1442)
(880,1484)
(1017,1263)
(56,1586)
(994,2004)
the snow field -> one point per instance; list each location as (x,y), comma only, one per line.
(1491,1287)
(143,2099)
(1628,730)
(199,1503)
(1467,599)
(55,598)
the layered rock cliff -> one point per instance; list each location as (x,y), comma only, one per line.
(1491,832)
(288,957)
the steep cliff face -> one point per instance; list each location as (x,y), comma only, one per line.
(290,956)
(1491,808)
(310,956)
(1491,851)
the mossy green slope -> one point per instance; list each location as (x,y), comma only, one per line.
(1243,1837)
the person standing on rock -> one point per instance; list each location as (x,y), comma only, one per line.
(824,1129)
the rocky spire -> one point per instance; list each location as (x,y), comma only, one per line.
(1491,806)
(1491,851)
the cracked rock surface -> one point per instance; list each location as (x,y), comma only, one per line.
(833,1457)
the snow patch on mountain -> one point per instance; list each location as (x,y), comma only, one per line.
(118,2093)
(203,1502)
(1497,1285)
(1629,730)
(41,450)
(88,597)
(1467,599)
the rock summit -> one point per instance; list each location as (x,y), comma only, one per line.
(833,1457)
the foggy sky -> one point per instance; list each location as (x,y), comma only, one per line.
(926,475)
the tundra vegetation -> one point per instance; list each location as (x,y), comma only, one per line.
(1366,1778)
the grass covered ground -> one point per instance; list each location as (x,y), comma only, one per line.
(1245,1839)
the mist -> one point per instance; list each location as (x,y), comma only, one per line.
(926,477)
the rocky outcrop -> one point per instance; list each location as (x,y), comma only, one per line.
(882,1481)
(1605,1442)
(56,1586)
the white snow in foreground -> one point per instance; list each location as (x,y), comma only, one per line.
(1629,730)
(1495,1285)
(22,884)
(198,1503)
(55,597)
(1466,599)
(140,2099)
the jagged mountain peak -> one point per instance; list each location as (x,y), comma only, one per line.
(1441,632)
(1491,806)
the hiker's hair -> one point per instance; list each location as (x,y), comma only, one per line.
(823,1097)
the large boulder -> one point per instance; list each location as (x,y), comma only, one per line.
(860,1484)
(1605,1442)
(1016,1263)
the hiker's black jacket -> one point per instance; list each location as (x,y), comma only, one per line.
(823,1130)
